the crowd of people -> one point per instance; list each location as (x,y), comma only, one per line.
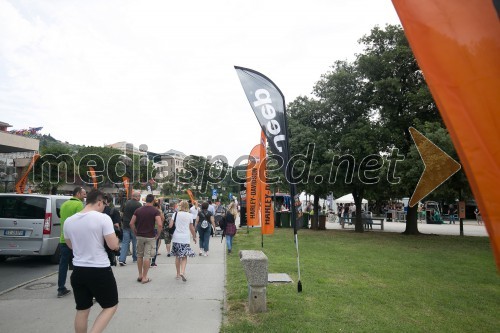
(92,230)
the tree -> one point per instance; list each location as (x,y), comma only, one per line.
(338,122)
(54,167)
(401,99)
(107,163)
(308,126)
(360,117)
(168,188)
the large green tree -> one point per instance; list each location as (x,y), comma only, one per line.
(360,117)
(347,142)
(54,167)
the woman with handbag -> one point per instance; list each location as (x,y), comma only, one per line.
(181,248)
(230,225)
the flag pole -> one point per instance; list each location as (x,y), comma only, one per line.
(268,104)
(293,190)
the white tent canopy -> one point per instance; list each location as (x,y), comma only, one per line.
(348,198)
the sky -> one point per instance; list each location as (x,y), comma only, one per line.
(161,73)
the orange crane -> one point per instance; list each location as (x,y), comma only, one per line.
(21,183)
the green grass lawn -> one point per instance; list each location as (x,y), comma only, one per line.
(370,282)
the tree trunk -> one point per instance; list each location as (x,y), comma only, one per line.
(358,197)
(315,220)
(411,221)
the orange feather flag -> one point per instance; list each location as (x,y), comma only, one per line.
(191,196)
(93,176)
(265,197)
(126,184)
(253,185)
(457,45)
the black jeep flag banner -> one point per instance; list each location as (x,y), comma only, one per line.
(268,104)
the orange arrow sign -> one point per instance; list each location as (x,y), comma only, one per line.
(439,166)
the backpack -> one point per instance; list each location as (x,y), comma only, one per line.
(204,223)
(171,230)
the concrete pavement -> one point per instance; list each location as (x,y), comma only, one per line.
(164,304)
(471,228)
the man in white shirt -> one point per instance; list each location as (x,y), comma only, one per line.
(193,209)
(85,233)
(211,207)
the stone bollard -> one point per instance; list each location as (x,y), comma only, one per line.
(255,265)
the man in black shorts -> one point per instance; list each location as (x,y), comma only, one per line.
(92,277)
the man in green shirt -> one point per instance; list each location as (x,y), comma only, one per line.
(68,208)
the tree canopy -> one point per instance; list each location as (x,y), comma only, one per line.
(358,121)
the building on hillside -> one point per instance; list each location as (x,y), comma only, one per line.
(126,147)
(16,152)
(171,164)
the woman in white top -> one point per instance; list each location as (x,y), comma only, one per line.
(181,239)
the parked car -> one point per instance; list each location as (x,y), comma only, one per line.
(30,225)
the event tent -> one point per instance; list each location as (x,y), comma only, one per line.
(348,198)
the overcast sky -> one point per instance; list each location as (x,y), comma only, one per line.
(161,73)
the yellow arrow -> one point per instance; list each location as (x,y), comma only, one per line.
(439,166)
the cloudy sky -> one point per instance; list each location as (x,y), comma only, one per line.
(161,73)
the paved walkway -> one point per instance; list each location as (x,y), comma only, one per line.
(471,228)
(164,304)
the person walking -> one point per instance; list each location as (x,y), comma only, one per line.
(193,209)
(181,248)
(168,232)
(142,225)
(451,214)
(114,214)
(204,224)
(229,222)
(159,233)
(68,208)
(211,207)
(127,235)
(479,219)
(85,233)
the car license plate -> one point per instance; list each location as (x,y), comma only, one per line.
(13,232)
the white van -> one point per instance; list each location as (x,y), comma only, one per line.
(30,225)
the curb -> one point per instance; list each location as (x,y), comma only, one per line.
(25,283)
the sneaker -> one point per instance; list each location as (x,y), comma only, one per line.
(122,263)
(154,265)
(168,255)
(63,293)
(205,254)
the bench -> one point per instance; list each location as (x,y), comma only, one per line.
(350,220)
(396,216)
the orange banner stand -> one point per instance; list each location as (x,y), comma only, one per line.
(191,196)
(265,195)
(253,187)
(93,176)
(457,45)
(126,185)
